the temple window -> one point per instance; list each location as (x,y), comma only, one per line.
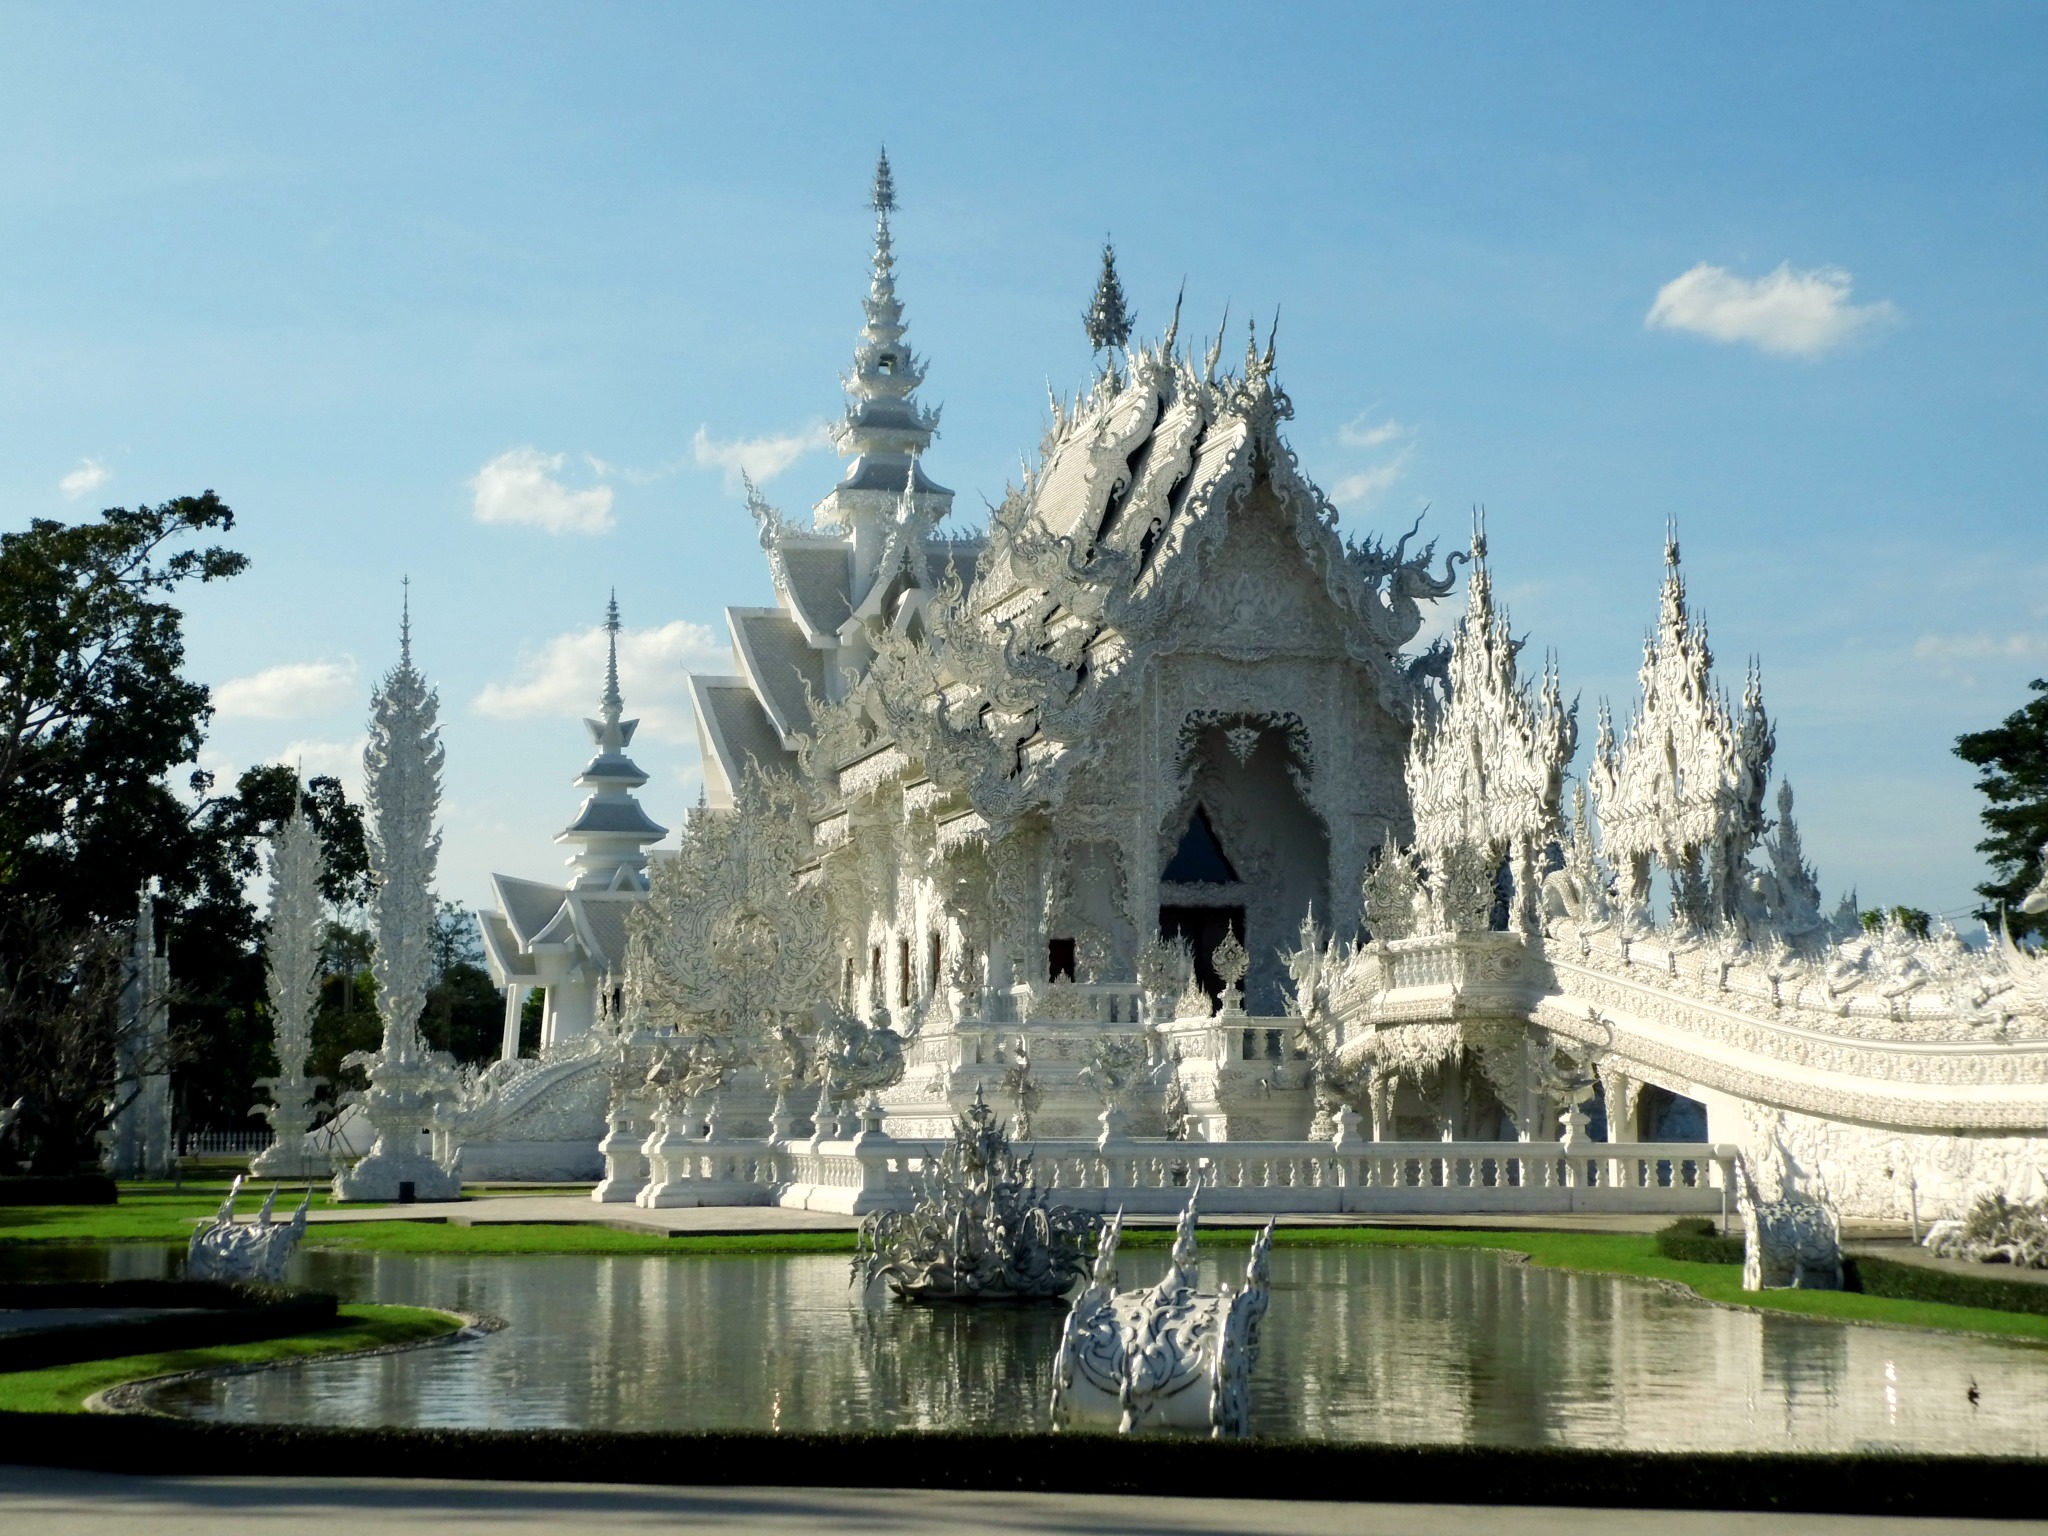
(903,972)
(875,975)
(938,955)
(1059,959)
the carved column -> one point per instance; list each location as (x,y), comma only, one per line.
(1620,1091)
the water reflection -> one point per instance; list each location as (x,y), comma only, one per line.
(1391,1345)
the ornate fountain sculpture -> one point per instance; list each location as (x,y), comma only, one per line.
(224,1249)
(981,1230)
(1171,1356)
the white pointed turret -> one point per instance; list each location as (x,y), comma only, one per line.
(884,430)
(611,832)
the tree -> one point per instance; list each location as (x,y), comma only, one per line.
(94,715)
(93,710)
(2014,758)
(63,1052)
(464,1013)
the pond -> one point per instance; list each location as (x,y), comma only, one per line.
(1364,1344)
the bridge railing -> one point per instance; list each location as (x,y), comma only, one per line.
(872,1172)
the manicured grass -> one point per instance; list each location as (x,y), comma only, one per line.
(147,1213)
(64,1388)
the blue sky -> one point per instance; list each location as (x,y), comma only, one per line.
(371,271)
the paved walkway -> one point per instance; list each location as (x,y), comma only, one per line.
(1906,1251)
(58,1503)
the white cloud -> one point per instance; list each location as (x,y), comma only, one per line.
(289,691)
(342,760)
(1982,646)
(563,679)
(1358,433)
(762,457)
(90,475)
(521,486)
(1792,314)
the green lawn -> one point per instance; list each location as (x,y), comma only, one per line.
(64,1388)
(147,1213)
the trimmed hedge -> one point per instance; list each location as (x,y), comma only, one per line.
(1921,1282)
(221,1314)
(1951,1486)
(1692,1240)
(73,1189)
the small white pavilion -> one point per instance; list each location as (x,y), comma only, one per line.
(570,940)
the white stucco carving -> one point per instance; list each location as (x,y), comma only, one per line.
(410,1087)
(225,1249)
(1171,1357)
(291,953)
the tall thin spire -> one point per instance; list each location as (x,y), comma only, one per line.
(405,622)
(611,831)
(613,705)
(884,429)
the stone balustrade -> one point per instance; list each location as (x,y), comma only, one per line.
(871,1172)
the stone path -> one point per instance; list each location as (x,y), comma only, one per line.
(59,1503)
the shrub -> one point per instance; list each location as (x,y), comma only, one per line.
(1692,1240)
(1919,1282)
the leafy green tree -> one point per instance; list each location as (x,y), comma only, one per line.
(94,713)
(94,716)
(465,1013)
(2014,758)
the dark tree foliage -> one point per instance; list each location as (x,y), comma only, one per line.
(94,715)
(2014,758)
(93,711)
(221,1002)
(63,1055)
(465,1013)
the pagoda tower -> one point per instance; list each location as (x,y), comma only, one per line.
(885,430)
(611,832)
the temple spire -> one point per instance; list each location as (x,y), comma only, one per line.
(884,430)
(1108,320)
(611,831)
(611,703)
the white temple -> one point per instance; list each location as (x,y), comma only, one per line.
(1140,812)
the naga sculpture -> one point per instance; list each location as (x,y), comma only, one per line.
(224,1249)
(1791,1241)
(1996,1231)
(1171,1356)
(981,1229)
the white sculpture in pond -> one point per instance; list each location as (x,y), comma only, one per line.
(982,1229)
(225,1249)
(1171,1356)
(1792,1241)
